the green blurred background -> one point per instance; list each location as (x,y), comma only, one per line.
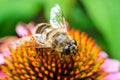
(99,18)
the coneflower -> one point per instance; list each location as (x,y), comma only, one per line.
(29,63)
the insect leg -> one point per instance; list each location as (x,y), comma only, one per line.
(52,51)
(39,50)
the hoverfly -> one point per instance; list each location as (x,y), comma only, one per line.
(55,35)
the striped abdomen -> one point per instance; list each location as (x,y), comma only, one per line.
(43,28)
(47,30)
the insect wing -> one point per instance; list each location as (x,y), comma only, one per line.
(40,38)
(57,19)
(31,41)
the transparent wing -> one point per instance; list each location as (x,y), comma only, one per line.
(40,38)
(36,41)
(41,42)
(57,19)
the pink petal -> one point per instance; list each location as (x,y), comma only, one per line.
(111,65)
(5,52)
(30,27)
(21,30)
(6,42)
(3,75)
(112,76)
(102,54)
(2,60)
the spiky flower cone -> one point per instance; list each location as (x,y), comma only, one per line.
(29,63)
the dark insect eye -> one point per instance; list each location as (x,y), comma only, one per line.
(66,50)
(66,47)
(73,42)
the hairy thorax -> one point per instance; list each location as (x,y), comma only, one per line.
(60,40)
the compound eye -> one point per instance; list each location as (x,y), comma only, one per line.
(66,49)
(73,42)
